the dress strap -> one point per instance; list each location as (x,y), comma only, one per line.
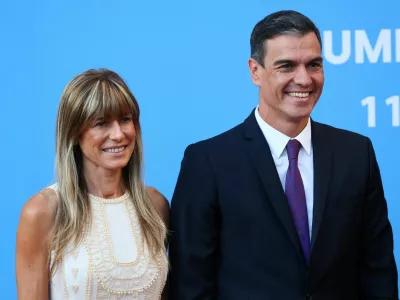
(54,187)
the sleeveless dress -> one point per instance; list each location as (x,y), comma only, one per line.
(111,262)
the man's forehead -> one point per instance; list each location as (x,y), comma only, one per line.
(293,47)
(295,55)
(291,42)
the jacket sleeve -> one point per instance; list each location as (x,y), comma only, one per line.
(194,229)
(378,272)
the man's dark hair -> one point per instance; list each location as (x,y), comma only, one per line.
(278,23)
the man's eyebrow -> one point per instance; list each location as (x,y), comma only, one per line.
(316,59)
(292,62)
(284,61)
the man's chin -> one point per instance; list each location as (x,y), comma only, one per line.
(300,116)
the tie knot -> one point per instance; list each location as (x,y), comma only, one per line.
(293,148)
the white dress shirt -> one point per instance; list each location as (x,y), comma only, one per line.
(277,142)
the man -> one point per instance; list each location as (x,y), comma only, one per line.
(282,207)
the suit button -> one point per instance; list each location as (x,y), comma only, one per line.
(309,297)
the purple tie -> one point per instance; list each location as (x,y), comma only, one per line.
(296,197)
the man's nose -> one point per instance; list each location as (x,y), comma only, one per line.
(302,77)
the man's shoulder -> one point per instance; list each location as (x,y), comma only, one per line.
(222,140)
(337,134)
(342,141)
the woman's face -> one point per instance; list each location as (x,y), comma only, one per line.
(108,144)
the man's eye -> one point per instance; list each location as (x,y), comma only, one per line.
(315,65)
(286,66)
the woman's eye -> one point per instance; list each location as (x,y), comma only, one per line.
(126,119)
(100,123)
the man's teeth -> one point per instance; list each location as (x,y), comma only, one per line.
(300,95)
(114,150)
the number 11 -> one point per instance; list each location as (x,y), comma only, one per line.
(394,101)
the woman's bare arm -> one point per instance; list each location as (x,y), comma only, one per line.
(162,206)
(160,203)
(32,249)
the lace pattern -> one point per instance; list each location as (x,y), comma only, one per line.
(143,278)
(92,272)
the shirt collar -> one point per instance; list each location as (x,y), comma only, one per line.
(277,140)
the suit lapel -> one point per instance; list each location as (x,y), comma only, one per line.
(322,153)
(260,155)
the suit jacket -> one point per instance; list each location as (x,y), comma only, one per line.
(232,234)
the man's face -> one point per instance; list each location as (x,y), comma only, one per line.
(291,80)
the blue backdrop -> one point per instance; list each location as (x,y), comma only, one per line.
(186,62)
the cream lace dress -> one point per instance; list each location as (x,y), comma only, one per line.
(110,263)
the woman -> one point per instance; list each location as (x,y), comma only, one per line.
(98,233)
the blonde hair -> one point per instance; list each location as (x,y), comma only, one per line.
(88,96)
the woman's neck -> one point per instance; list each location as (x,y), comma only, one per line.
(104,183)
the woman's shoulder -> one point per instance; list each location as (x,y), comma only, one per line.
(160,202)
(39,210)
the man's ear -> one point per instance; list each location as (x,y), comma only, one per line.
(255,71)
